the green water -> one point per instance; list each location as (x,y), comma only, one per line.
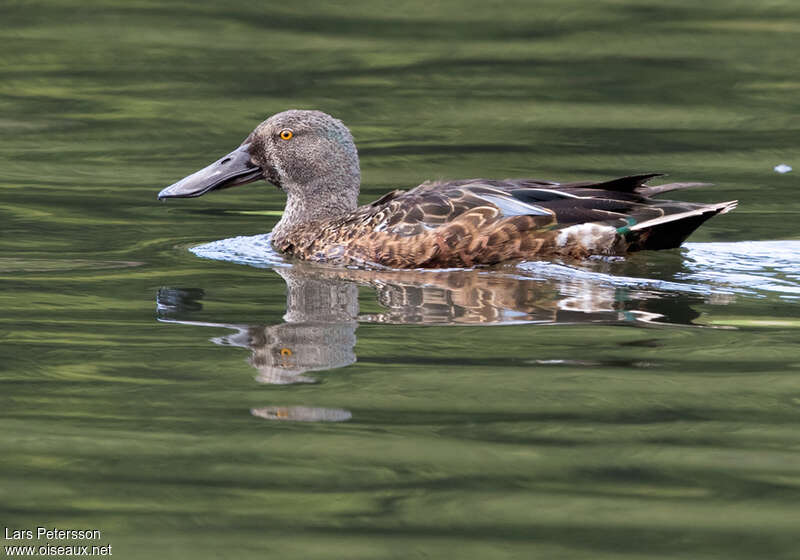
(642,409)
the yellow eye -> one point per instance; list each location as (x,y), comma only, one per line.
(286,352)
(286,134)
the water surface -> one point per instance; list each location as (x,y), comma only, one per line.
(208,401)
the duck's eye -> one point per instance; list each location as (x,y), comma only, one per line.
(286,134)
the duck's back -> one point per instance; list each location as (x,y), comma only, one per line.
(480,221)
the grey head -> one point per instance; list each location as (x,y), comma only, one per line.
(310,155)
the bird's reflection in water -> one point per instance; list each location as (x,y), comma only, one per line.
(302,413)
(322,313)
(318,331)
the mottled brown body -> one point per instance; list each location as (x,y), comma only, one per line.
(466,223)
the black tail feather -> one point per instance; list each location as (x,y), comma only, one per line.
(631,183)
(636,184)
(669,234)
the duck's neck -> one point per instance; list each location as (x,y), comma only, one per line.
(319,201)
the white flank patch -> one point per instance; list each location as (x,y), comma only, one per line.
(592,237)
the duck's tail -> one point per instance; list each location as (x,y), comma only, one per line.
(637,184)
(672,229)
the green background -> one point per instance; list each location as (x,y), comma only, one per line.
(599,440)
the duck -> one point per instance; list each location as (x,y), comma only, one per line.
(312,157)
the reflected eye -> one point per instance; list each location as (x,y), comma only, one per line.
(286,134)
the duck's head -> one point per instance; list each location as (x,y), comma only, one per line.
(308,154)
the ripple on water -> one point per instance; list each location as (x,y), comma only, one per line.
(251,250)
(747,267)
(60,265)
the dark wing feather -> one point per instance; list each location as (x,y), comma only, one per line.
(629,184)
(435,204)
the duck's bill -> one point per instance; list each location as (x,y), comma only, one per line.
(228,171)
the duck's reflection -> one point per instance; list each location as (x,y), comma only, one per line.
(322,311)
(318,332)
(302,414)
(322,314)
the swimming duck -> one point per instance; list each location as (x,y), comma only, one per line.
(312,157)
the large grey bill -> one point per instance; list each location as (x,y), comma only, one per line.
(228,171)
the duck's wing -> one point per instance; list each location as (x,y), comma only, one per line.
(550,204)
(628,187)
(479,221)
(433,204)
